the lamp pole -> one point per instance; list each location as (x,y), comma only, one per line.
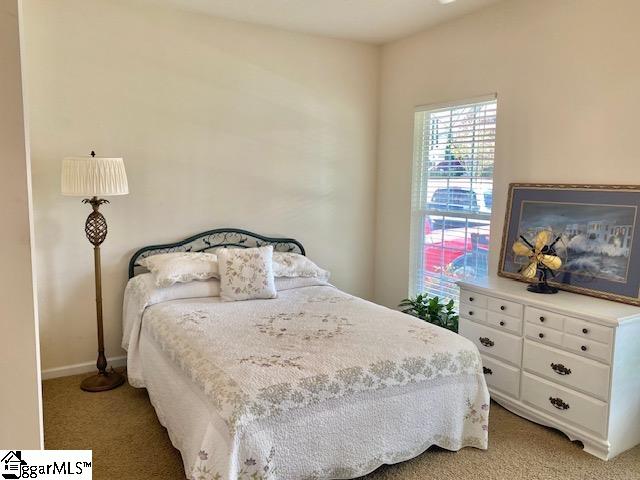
(96,230)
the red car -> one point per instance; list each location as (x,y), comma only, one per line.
(442,247)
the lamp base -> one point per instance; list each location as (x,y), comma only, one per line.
(101,382)
(542,288)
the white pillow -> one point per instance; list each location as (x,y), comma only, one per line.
(289,264)
(148,289)
(181,267)
(289,283)
(246,273)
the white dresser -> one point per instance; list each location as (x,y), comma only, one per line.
(567,361)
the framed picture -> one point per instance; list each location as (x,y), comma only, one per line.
(596,226)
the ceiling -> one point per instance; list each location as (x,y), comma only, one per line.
(374,21)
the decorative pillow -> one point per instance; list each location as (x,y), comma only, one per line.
(181,267)
(246,273)
(288,264)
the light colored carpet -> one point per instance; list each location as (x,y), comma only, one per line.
(121,428)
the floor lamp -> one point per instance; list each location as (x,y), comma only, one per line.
(96,177)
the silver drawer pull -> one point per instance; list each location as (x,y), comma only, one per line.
(560,369)
(486,341)
(558,403)
(487,371)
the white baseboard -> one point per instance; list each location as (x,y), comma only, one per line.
(80,368)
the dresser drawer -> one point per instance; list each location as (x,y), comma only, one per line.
(474,299)
(571,370)
(473,312)
(566,404)
(505,322)
(506,307)
(488,340)
(588,330)
(501,376)
(544,318)
(543,334)
(587,348)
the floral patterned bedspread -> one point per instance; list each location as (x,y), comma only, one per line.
(261,359)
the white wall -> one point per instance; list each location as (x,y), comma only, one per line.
(220,124)
(228,124)
(567,76)
(20,411)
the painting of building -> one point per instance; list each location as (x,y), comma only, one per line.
(595,239)
(615,235)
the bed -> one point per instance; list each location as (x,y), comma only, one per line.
(314,384)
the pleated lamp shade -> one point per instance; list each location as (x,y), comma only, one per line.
(94,176)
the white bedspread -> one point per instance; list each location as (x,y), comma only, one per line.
(313,384)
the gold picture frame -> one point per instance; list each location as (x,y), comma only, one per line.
(581,200)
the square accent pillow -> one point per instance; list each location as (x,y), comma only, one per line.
(181,267)
(246,273)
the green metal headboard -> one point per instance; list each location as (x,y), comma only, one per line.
(219,238)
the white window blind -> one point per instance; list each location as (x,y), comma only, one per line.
(452,195)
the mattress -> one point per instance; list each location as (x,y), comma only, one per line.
(316,384)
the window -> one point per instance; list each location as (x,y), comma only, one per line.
(452,195)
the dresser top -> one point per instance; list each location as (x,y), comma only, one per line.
(598,310)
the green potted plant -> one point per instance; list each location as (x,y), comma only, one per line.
(432,310)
